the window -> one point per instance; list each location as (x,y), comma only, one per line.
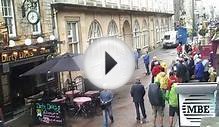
(145,33)
(72,37)
(112,29)
(95,31)
(8,14)
(157,31)
(137,41)
(37,27)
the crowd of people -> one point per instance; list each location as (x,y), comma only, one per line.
(189,65)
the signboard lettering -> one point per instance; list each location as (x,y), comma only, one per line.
(198,109)
(49,113)
(22,54)
(193,107)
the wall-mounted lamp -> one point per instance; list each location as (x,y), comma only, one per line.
(28,42)
(12,43)
(52,37)
(40,40)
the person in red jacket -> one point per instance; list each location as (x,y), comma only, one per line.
(172,79)
(156,70)
(179,49)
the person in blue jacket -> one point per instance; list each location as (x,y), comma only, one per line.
(146,63)
(199,70)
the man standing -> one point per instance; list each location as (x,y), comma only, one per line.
(146,63)
(106,98)
(136,55)
(181,71)
(137,93)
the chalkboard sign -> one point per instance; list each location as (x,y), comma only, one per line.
(51,113)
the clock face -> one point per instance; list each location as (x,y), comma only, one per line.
(33,17)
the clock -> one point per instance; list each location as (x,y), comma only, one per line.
(33,17)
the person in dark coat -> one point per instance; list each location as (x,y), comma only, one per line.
(138,93)
(156,98)
(191,67)
(181,71)
(199,70)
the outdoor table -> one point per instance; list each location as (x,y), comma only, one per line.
(62,100)
(80,101)
(72,93)
(91,93)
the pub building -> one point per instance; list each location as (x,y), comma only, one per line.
(15,88)
(26,40)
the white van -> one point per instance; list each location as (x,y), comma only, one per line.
(170,39)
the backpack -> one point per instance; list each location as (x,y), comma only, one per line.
(155,95)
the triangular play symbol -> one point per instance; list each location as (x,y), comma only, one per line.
(109,63)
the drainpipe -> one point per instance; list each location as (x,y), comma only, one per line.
(56,34)
(131,29)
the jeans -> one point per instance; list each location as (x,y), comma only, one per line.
(147,68)
(136,64)
(141,104)
(107,113)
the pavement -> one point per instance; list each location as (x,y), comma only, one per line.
(123,107)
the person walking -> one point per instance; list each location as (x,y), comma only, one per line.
(155,71)
(172,98)
(162,78)
(106,98)
(157,101)
(179,49)
(206,64)
(181,71)
(199,70)
(146,63)
(154,60)
(172,78)
(136,55)
(138,93)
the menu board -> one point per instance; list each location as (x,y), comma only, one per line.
(50,113)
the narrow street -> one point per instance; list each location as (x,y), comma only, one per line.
(123,108)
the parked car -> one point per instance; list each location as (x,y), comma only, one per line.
(170,39)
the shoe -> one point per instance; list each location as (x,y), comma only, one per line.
(112,120)
(144,120)
(138,121)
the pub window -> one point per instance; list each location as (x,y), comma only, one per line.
(37,27)
(73,37)
(8,15)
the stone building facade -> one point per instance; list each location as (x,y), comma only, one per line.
(139,23)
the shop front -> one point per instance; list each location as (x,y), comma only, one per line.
(15,88)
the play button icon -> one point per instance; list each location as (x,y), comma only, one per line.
(109,63)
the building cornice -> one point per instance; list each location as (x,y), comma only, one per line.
(76,7)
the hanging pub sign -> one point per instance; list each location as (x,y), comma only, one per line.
(13,56)
(50,113)
(196,101)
